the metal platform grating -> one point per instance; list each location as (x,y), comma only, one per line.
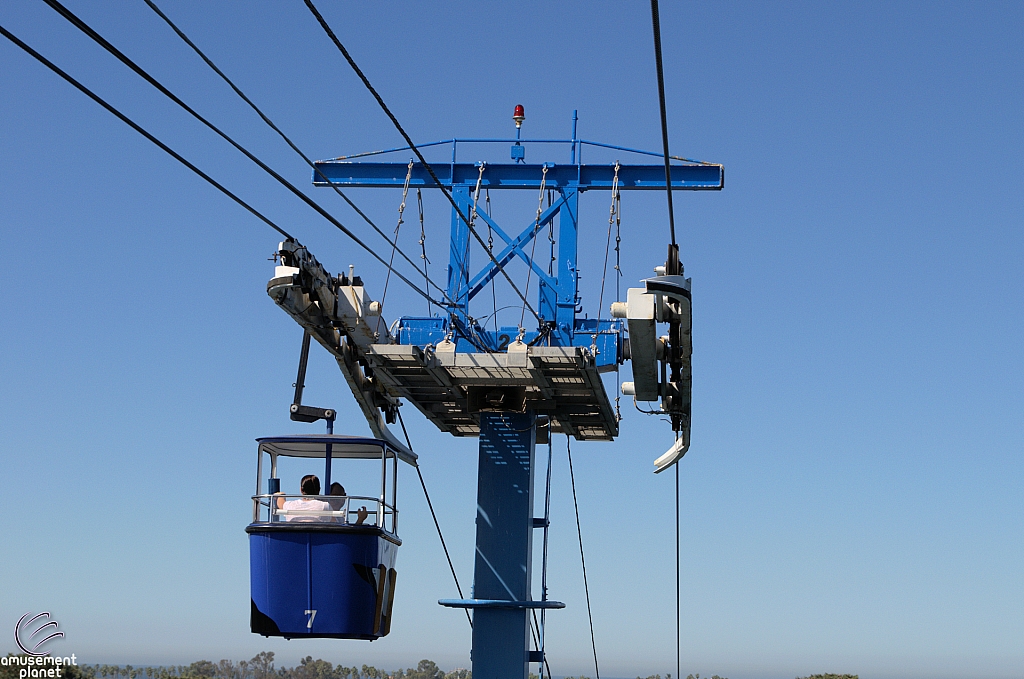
(561,382)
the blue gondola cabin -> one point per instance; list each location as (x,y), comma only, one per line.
(323,566)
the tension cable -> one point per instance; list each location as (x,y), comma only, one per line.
(490,249)
(656,24)
(100,40)
(678,631)
(394,247)
(533,248)
(408,140)
(544,559)
(618,297)
(283,136)
(437,525)
(464,264)
(583,560)
(135,126)
(612,211)
(423,246)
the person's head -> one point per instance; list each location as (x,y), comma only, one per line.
(337,489)
(310,485)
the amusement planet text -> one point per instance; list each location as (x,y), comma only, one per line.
(34,667)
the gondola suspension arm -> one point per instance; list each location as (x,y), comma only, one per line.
(337,313)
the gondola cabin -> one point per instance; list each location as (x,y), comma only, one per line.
(322,565)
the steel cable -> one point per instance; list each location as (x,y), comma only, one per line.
(138,128)
(283,136)
(85,28)
(604,268)
(490,248)
(423,245)
(394,249)
(430,505)
(473,214)
(533,237)
(408,140)
(678,631)
(544,558)
(656,24)
(583,560)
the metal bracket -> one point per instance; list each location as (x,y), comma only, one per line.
(297,411)
(301,413)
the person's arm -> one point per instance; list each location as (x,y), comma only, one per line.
(280,500)
(361,515)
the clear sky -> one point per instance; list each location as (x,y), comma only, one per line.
(852,499)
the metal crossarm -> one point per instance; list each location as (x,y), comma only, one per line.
(520,176)
(557,290)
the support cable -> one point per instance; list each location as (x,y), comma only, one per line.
(678,632)
(537,628)
(544,559)
(464,259)
(85,28)
(607,247)
(135,126)
(533,248)
(537,632)
(551,241)
(618,297)
(423,248)
(490,248)
(538,640)
(394,248)
(437,525)
(656,24)
(283,136)
(583,560)
(348,57)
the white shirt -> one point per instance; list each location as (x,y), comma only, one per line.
(307,504)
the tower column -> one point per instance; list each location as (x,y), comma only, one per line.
(504,523)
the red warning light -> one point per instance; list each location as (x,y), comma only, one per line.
(519,115)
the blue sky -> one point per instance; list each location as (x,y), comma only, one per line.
(852,499)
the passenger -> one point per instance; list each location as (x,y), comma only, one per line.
(310,485)
(338,490)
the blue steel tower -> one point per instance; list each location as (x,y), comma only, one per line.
(510,386)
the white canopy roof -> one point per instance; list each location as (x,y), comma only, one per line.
(352,447)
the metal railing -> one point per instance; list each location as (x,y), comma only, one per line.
(332,509)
